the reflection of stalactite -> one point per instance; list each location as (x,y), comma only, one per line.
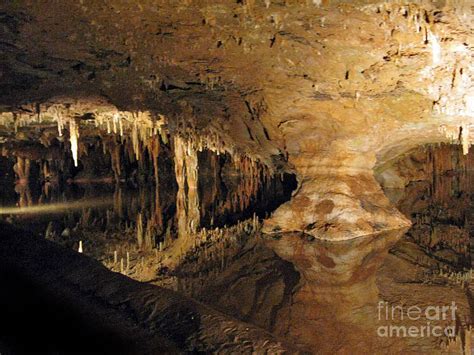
(115,156)
(22,169)
(187,202)
(118,201)
(149,232)
(234,187)
(181,214)
(25,198)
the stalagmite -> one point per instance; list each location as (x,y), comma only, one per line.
(140,230)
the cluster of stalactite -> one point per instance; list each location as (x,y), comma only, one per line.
(253,177)
(137,150)
(444,159)
(139,125)
(446,221)
(245,177)
(458,134)
(103,154)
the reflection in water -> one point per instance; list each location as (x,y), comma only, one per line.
(329,296)
(325,297)
(54,207)
(124,208)
(439,199)
(335,306)
(321,296)
(352,297)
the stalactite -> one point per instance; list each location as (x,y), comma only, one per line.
(154,148)
(73,138)
(435,48)
(57,114)
(465,138)
(136,141)
(191,163)
(458,134)
(187,203)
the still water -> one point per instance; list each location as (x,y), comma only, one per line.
(333,297)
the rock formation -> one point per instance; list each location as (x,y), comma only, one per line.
(325,89)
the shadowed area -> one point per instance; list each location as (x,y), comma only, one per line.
(71,303)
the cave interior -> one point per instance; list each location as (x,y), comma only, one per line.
(251,176)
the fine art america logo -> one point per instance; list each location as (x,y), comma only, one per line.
(415,321)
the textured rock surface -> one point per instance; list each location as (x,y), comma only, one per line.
(322,88)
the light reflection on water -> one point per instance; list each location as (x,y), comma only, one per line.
(57,208)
